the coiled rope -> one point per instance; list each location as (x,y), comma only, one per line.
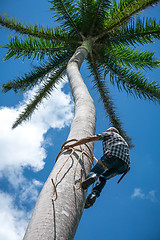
(73,150)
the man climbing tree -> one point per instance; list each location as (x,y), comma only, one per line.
(115,158)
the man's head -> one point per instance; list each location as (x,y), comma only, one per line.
(112,129)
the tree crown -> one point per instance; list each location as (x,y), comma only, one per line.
(107,30)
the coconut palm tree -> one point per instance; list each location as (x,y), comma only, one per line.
(105,34)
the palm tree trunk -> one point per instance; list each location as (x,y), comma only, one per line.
(58,220)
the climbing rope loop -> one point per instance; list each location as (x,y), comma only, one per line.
(72,151)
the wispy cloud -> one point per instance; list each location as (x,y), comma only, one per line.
(12,220)
(138,193)
(152,196)
(24,146)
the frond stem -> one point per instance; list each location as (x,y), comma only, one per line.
(95,18)
(125,18)
(133,35)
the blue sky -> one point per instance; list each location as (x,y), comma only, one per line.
(128,211)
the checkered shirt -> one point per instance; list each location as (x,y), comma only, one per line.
(115,145)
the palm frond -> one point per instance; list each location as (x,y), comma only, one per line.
(136,31)
(123,11)
(37,30)
(132,82)
(44,91)
(31,47)
(65,12)
(100,14)
(87,10)
(29,80)
(132,57)
(106,99)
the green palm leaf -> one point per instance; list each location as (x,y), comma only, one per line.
(132,57)
(122,12)
(87,10)
(37,30)
(109,106)
(100,15)
(65,11)
(32,47)
(133,82)
(44,91)
(136,31)
(36,76)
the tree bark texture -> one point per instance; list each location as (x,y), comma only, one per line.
(58,220)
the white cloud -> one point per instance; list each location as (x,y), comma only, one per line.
(13,222)
(24,146)
(29,191)
(152,196)
(138,193)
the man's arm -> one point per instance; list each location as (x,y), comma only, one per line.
(83,141)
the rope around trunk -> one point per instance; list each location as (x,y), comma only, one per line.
(73,150)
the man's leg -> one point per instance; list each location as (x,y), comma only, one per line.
(110,173)
(95,172)
(99,186)
(92,176)
(102,180)
(106,175)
